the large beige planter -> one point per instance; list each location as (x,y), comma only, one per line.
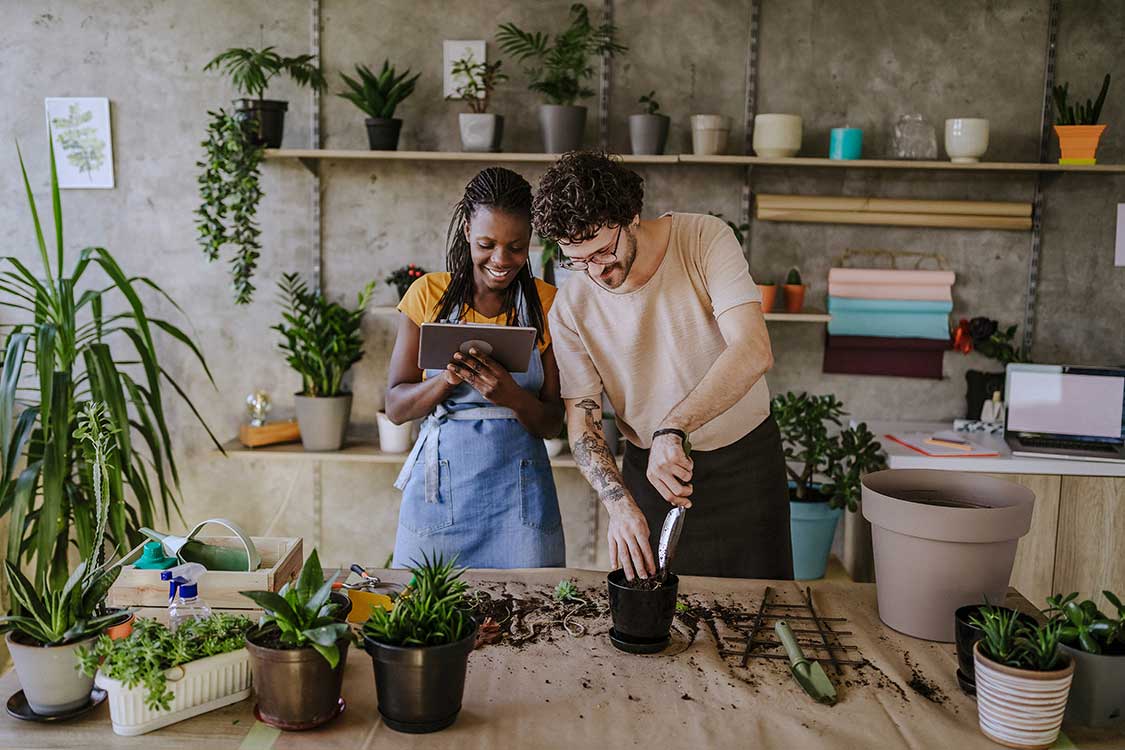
(942,540)
(49,675)
(1018,707)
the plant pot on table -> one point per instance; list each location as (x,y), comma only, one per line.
(1097,694)
(648,134)
(563,127)
(967,634)
(812,527)
(122,627)
(641,616)
(263,120)
(481,132)
(1020,708)
(383,132)
(49,675)
(296,687)
(323,420)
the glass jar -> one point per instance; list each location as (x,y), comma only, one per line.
(914,138)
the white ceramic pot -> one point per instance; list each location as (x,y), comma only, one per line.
(966,139)
(481,132)
(49,676)
(1018,707)
(394,438)
(777,136)
(197,687)
(709,134)
(554,446)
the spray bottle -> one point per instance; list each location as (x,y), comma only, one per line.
(183,594)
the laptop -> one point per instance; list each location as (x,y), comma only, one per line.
(1064,411)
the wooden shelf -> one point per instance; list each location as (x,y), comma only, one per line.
(809,316)
(309,154)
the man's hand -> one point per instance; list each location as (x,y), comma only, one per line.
(628,540)
(670,469)
(487,376)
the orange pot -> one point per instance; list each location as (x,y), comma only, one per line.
(1078,143)
(794,297)
(769,296)
(121,629)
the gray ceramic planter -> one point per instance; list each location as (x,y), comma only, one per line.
(1097,694)
(648,134)
(563,127)
(323,421)
(481,132)
(49,676)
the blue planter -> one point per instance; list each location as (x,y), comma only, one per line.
(811,527)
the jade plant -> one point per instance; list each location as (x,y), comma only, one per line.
(378,95)
(251,70)
(1007,638)
(301,613)
(152,648)
(480,80)
(1079,113)
(815,439)
(433,610)
(1085,626)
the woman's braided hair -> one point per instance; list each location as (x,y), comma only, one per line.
(502,190)
(584,191)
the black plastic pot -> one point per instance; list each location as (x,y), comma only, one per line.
(345,603)
(382,133)
(966,635)
(641,615)
(263,120)
(420,689)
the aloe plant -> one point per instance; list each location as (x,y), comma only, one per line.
(1007,638)
(82,339)
(1078,114)
(379,95)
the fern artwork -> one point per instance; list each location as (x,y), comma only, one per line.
(80,130)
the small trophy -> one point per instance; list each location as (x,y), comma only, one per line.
(257,433)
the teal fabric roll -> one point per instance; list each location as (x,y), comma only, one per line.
(923,319)
(913,306)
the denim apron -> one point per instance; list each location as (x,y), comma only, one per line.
(478,485)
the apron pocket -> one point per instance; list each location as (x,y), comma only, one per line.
(539,506)
(423,517)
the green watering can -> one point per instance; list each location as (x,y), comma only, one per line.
(212,557)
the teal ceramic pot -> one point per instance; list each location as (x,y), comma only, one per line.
(812,525)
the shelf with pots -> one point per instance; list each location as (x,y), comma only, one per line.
(806,316)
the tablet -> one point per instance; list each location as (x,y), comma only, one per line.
(511,346)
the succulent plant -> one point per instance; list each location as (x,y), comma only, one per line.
(1079,114)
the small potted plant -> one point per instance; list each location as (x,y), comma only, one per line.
(794,291)
(157,676)
(1096,643)
(1022,679)
(321,340)
(558,69)
(648,131)
(402,278)
(1077,126)
(250,71)
(378,96)
(481,130)
(815,440)
(298,651)
(420,648)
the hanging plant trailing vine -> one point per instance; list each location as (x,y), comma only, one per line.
(230,190)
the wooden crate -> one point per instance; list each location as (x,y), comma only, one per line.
(282,558)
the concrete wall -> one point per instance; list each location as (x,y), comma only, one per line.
(857,62)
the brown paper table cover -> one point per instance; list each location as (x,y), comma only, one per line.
(581,693)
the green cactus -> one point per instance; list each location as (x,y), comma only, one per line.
(1082,114)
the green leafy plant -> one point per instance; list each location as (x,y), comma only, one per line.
(558,70)
(480,81)
(1009,639)
(793,277)
(251,70)
(1084,626)
(1080,114)
(230,190)
(984,335)
(379,95)
(322,339)
(813,437)
(433,610)
(566,590)
(402,278)
(85,339)
(652,107)
(143,657)
(302,614)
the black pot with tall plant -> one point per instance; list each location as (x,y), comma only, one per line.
(559,69)
(378,96)
(250,71)
(420,649)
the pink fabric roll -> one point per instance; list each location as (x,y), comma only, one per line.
(888,283)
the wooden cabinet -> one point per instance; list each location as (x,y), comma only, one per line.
(1090,552)
(1034,570)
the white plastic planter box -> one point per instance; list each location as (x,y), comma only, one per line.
(197,687)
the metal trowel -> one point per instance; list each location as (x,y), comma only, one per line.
(669,538)
(808,674)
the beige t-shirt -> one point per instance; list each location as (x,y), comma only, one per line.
(650,347)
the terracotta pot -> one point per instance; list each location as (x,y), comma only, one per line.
(1020,708)
(1078,143)
(769,296)
(794,297)
(122,629)
(942,539)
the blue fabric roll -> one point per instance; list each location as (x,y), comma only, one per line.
(921,319)
(850,304)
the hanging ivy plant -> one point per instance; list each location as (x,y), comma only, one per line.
(230,190)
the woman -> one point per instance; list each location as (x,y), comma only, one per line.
(478,483)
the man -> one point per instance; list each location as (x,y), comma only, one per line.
(668,323)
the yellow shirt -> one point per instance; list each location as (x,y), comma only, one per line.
(421,303)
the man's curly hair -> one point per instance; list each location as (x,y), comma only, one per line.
(584,191)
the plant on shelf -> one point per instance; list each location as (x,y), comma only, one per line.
(648,101)
(480,129)
(1077,125)
(321,340)
(378,96)
(84,339)
(1096,642)
(422,644)
(1078,114)
(559,69)
(794,291)
(648,131)
(402,278)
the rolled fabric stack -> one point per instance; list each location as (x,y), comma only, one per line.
(888,322)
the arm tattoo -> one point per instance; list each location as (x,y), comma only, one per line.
(595,460)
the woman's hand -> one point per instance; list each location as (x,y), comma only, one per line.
(487,376)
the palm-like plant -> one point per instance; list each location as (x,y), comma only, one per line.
(379,95)
(560,69)
(250,70)
(66,340)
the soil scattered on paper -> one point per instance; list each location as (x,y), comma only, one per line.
(524,620)
(922,685)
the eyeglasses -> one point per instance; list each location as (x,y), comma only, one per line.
(603,258)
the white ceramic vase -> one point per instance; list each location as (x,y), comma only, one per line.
(481,132)
(777,136)
(966,139)
(49,675)
(554,446)
(394,438)
(709,134)
(1019,707)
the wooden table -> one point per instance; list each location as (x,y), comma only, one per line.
(567,692)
